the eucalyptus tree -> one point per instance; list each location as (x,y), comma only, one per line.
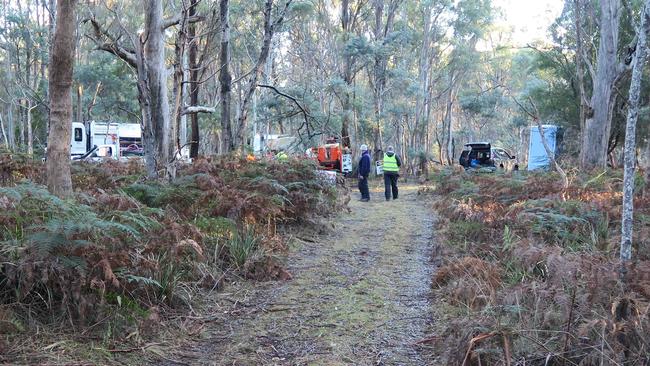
(638,63)
(604,74)
(146,54)
(270,27)
(472,19)
(354,54)
(24,36)
(59,181)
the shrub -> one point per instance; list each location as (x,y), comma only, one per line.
(59,253)
(125,246)
(464,234)
(242,246)
(531,266)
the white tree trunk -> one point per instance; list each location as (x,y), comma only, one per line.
(30,130)
(595,137)
(186,99)
(449,133)
(3,130)
(643,161)
(11,127)
(225,79)
(630,137)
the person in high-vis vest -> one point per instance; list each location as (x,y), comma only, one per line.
(392,163)
(282,157)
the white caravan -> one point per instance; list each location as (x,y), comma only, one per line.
(105,140)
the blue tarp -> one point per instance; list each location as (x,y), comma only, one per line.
(537,157)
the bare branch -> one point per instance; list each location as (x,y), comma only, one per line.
(590,66)
(175,20)
(198,109)
(106,42)
(305,112)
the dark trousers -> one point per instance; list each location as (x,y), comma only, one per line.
(390,184)
(363,188)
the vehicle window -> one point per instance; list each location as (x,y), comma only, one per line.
(105,152)
(78,134)
(499,154)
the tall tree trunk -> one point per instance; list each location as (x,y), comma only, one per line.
(630,138)
(52,23)
(446,147)
(11,124)
(179,90)
(59,181)
(225,79)
(381,31)
(449,115)
(194,85)
(347,76)
(50,35)
(598,122)
(269,27)
(22,124)
(154,51)
(144,99)
(378,79)
(644,162)
(28,102)
(3,130)
(11,127)
(30,130)
(424,66)
(580,68)
(79,114)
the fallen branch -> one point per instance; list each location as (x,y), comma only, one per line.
(426,340)
(473,342)
(133,349)
(198,109)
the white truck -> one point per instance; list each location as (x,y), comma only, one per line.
(107,140)
(265,143)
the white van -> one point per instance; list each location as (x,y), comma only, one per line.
(109,139)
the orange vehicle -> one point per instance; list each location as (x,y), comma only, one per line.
(329,156)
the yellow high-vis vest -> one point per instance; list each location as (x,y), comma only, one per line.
(390,163)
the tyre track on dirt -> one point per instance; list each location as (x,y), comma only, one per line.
(359,295)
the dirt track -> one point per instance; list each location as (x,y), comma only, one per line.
(359,296)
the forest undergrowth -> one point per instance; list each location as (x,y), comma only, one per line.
(529,272)
(110,264)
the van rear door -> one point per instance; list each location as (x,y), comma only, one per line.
(78,139)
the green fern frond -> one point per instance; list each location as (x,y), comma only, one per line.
(147,281)
(136,219)
(73,262)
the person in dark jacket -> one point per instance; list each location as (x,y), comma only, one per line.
(364,173)
(392,163)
